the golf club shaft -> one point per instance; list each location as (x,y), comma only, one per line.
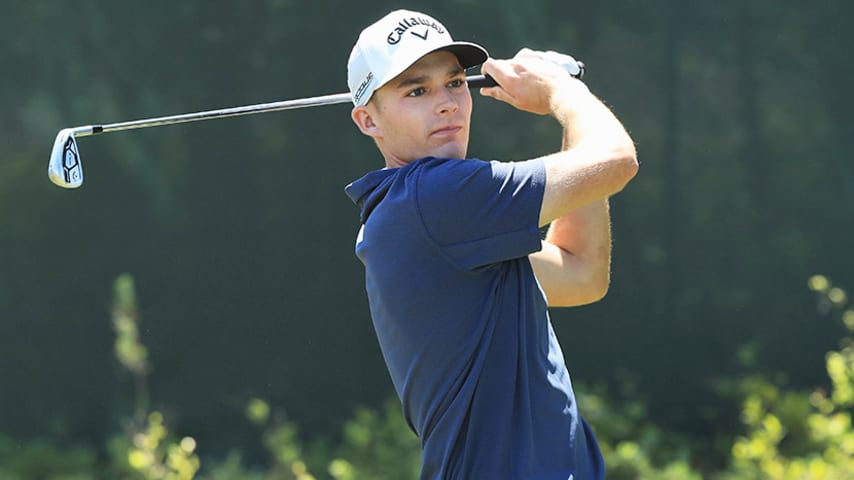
(475,81)
(65,169)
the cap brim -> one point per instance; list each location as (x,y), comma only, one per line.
(469,54)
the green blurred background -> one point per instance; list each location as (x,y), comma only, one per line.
(240,239)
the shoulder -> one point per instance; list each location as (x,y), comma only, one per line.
(444,168)
(446,176)
(479,212)
(440,183)
(469,178)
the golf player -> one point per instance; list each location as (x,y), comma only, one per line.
(457,274)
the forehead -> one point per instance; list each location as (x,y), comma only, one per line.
(437,64)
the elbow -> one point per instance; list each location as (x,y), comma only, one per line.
(631,161)
(577,299)
(593,290)
(598,282)
(599,287)
(626,164)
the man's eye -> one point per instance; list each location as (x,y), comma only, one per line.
(417,92)
(457,83)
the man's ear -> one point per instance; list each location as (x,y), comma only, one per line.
(363,117)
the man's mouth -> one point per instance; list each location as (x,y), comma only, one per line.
(448,131)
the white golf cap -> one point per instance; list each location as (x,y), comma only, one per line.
(392,44)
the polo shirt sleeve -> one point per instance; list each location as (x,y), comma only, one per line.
(480,213)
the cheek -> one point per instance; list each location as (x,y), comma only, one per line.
(408,127)
(465,101)
(397,119)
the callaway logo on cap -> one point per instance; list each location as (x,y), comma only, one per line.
(392,44)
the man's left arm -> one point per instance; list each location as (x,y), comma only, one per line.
(574,266)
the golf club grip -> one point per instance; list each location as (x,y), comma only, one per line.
(481,81)
(485,81)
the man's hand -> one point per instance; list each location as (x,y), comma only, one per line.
(530,82)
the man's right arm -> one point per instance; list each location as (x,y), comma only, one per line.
(596,160)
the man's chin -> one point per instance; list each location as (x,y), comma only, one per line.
(450,150)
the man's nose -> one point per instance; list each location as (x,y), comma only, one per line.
(447,102)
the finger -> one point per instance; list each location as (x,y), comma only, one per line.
(500,70)
(528,53)
(498,93)
(487,66)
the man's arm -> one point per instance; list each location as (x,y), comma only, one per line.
(597,160)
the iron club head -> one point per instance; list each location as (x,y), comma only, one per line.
(64,168)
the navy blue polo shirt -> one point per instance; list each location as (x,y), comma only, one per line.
(463,324)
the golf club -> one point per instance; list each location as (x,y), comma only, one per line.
(65,168)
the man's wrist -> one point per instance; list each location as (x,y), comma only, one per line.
(568,99)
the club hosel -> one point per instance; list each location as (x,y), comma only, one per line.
(85,131)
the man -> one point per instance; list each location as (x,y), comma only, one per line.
(457,275)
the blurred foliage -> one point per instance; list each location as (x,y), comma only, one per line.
(792,435)
(374,445)
(146,451)
(377,445)
(633,447)
(129,350)
(41,460)
(786,435)
(154,457)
